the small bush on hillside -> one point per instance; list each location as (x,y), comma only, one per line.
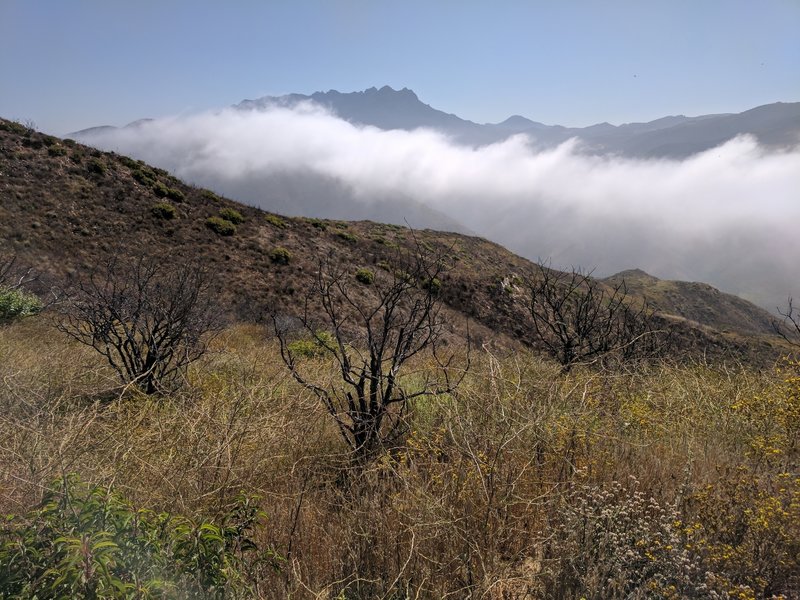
(211,196)
(144,176)
(57,151)
(163,210)
(232,215)
(96,167)
(220,226)
(365,276)
(128,162)
(88,542)
(347,236)
(318,223)
(276,221)
(17,303)
(280,256)
(175,194)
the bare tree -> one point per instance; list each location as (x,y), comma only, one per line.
(789,327)
(13,275)
(578,319)
(149,319)
(372,326)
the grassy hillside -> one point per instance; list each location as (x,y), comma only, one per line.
(67,208)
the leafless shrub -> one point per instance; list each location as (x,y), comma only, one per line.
(577,319)
(373,332)
(789,327)
(149,319)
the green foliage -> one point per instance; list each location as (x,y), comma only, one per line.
(16,303)
(15,127)
(365,276)
(318,223)
(232,215)
(220,226)
(433,285)
(276,221)
(313,347)
(347,236)
(163,191)
(128,162)
(163,210)
(88,542)
(175,194)
(96,167)
(144,176)
(57,151)
(211,196)
(280,256)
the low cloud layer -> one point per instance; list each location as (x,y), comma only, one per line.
(729,216)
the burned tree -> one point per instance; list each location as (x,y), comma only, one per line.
(578,319)
(148,318)
(372,327)
(789,327)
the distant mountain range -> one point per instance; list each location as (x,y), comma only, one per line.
(774,125)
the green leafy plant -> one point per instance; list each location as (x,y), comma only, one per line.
(220,226)
(347,236)
(96,167)
(232,215)
(163,210)
(85,541)
(276,221)
(17,303)
(280,256)
(313,347)
(365,276)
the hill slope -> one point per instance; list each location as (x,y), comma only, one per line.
(65,208)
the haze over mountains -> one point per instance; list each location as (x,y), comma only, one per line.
(707,198)
(773,125)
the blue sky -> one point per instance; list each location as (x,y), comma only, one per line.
(73,64)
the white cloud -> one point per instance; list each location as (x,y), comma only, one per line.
(728,216)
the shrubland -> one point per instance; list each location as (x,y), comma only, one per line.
(658,480)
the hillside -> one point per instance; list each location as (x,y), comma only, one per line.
(65,208)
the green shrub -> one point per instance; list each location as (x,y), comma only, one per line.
(318,223)
(276,221)
(220,226)
(129,162)
(163,210)
(159,189)
(365,276)
(347,236)
(232,215)
(88,542)
(175,194)
(433,285)
(211,196)
(96,167)
(144,176)
(16,303)
(57,151)
(280,256)
(312,347)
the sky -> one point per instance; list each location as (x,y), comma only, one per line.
(70,65)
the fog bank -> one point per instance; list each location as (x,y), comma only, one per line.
(727,216)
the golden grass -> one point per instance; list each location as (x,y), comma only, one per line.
(484,497)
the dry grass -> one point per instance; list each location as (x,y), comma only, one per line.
(664,482)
